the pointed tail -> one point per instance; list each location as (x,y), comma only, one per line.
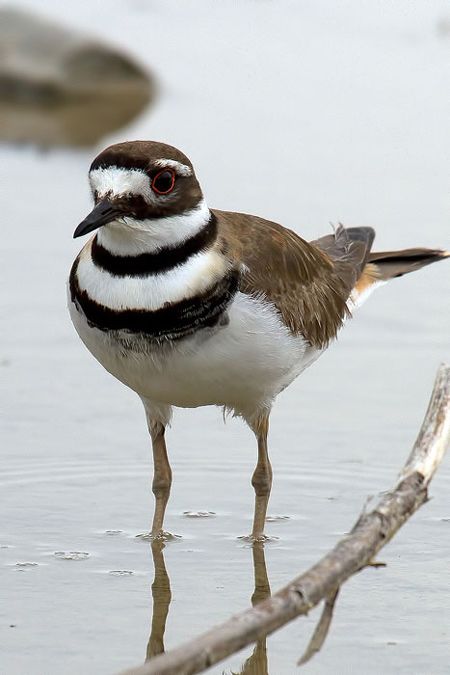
(390,264)
(381,267)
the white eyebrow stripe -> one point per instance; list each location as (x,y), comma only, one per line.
(181,169)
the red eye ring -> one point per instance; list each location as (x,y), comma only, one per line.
(163,182)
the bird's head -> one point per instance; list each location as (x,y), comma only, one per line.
(145,194)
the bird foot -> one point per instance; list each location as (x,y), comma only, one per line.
(158,536)
(257,538)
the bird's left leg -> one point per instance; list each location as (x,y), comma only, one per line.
(262,476)
(157,419)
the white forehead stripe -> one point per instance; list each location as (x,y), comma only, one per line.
(178,167)
(120,181)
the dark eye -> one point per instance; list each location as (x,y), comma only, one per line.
(163,182)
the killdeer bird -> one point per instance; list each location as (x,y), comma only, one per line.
(190,306)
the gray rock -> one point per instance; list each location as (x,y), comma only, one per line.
(58,86)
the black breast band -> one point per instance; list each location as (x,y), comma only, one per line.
(170,322)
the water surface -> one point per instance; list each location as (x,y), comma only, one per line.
(306,113)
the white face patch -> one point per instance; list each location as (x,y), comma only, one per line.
(118,182)
(132,237)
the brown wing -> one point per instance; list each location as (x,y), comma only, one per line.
(309,283)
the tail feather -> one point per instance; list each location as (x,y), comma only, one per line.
(391,264)
(352,245)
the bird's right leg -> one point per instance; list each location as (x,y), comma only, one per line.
(262,476)
(162,478)
(157,419)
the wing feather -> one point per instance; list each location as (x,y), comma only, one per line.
(309,283)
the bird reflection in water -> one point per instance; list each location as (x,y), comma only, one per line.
(256,663)
(162,596)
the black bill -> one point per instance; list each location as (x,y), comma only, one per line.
(104,212)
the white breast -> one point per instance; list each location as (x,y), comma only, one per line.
(242,365)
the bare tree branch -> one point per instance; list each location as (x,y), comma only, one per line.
(351,554)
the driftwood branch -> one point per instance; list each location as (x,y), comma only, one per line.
(352,553)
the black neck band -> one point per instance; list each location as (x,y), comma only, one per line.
(146,264)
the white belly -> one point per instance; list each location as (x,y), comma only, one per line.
(242,365)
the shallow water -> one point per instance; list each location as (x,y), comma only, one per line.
(307,115)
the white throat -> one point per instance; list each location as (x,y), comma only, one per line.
(132,237)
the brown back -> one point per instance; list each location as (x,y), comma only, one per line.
(309,283)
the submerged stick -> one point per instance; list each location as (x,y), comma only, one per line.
(321,631)
(352,553)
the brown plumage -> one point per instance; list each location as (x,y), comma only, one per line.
(310,282)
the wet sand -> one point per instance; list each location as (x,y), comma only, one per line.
(308,115)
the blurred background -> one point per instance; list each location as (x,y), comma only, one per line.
(306,113)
